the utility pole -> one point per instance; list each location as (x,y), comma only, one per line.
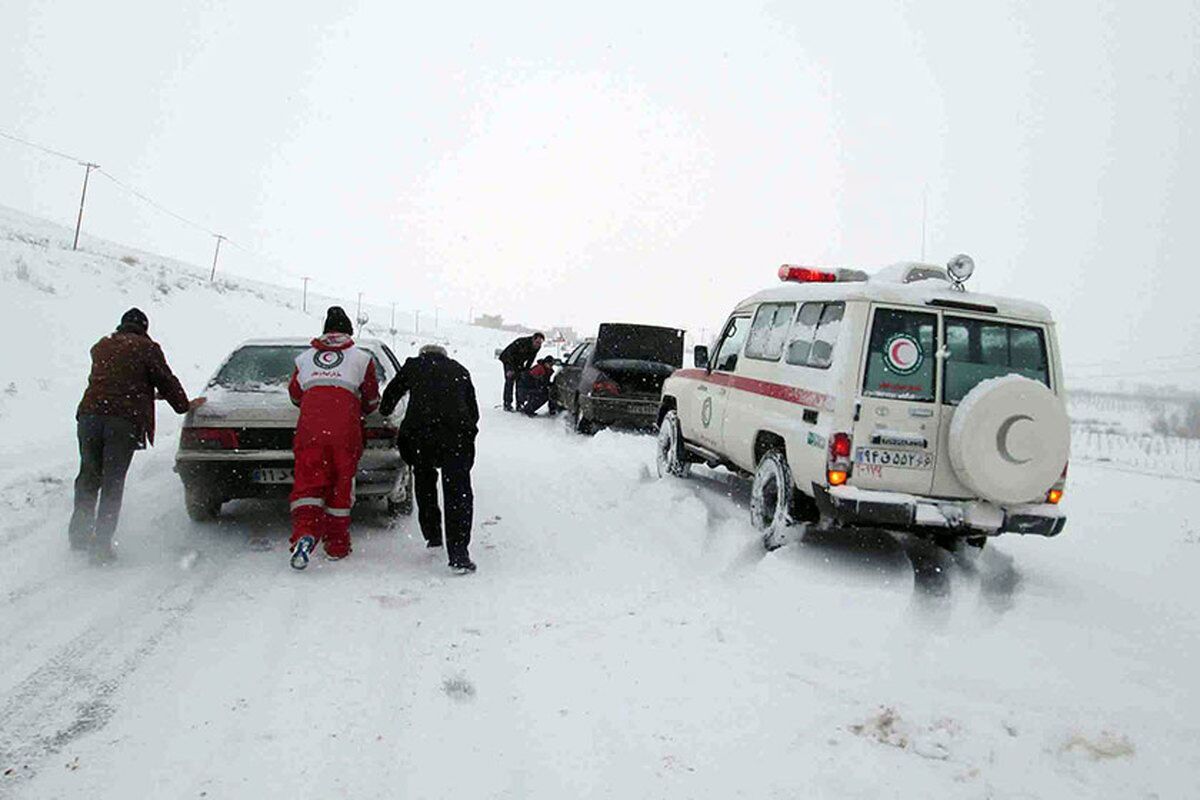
(87,172)
(304,300)
(392,329)
(358,314)
(417,321)
(924,217)
(213,275)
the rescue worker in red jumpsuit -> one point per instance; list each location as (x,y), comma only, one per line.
(335,386)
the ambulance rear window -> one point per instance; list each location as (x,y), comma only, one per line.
(981,349)
(900,360)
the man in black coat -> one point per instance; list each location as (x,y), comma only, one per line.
(517,358)
(438,433)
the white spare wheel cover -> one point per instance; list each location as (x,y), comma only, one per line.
(1010,440)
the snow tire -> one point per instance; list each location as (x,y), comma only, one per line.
(671,460)
(771,499)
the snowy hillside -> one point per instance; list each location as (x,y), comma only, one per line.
(625,637)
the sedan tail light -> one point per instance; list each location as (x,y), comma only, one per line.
(604,385)
(208,439)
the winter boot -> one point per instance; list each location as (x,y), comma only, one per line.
(301,551)
(462,565)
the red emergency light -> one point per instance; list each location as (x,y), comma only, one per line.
(790,272)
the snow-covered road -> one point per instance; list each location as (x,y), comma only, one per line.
(624,637)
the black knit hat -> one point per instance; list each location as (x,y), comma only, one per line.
(135,318)
(336,321)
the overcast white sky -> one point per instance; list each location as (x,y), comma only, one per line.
(644,162)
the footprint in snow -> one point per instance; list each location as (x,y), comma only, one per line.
(459,688)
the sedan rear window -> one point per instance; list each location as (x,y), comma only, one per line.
(258,365)
(982,349)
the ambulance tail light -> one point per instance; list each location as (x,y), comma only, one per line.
(1055,495)
(839,464)
(208,439)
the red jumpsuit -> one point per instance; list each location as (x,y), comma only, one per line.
(335,386)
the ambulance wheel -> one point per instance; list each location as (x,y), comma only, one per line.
(202,506)
(670,456)
(771,499)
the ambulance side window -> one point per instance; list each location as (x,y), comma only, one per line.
(769,331)
(814,335)
(731,344)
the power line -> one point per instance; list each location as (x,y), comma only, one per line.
(43,148)
(156,204)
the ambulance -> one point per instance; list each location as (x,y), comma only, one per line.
(894,400)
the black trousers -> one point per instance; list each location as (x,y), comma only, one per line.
(510,381)
(106,446)
(458,496)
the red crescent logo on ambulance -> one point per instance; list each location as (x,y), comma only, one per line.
(903,354)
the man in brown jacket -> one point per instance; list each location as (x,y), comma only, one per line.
(116,417)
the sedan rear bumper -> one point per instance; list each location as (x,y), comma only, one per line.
(621,412)
(230,474)
(851,506)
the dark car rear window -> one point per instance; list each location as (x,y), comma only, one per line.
(640,343)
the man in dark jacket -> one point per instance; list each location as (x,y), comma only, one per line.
(438,433)
(517,358)
(116,417)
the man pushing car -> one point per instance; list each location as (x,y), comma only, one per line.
(335,386)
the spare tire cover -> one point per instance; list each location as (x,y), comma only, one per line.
(1010,439)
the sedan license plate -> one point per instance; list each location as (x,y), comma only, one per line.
(904,459)
(272,475)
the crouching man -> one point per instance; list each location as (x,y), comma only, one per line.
(335,385)
(438,434)
(533,388)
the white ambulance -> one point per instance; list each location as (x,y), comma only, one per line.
(895,400)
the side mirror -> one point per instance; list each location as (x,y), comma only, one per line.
(700,357)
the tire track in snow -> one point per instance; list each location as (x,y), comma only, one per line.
(71,694)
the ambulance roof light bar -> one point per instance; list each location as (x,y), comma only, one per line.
(798,274)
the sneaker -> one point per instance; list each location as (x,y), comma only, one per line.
(432,543)
(301,551)
(79,544)
(462,566)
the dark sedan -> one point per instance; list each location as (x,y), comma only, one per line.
(616,379)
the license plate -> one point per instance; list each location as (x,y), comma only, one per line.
(272,475)
(904,459)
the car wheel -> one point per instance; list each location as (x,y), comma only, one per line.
(400,504)
(582,423)
(671,459)
(202,506)
(771,499)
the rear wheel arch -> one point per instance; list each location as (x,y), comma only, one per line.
(668,403)
(765,442)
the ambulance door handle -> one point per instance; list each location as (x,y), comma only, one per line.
(702,388)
